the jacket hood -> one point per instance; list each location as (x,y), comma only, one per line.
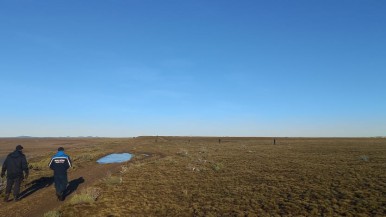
(16,154)
(60,154)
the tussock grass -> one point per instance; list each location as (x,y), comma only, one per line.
(40,163)
(217,166)
(112,179)
(90,153)
(88,156)
(53,213)
(88,195)
(81,198)
(84,156)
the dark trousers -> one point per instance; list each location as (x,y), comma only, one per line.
(60,183)
(15,182)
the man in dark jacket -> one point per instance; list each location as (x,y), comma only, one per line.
(60,163)
(14,165)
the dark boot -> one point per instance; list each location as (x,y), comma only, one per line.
(58,196)
(61,197)
(6,198)
(16,197)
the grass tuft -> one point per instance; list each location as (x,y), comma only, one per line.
(217,166)
(85,157)
(89,195)
(41,164)
(53,213)
(112,180)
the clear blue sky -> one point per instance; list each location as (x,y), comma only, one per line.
(194,67)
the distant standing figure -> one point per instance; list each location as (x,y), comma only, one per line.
(274,141)
(60,163)
(14,165)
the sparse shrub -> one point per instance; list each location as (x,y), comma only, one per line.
(88,195)
(53,213)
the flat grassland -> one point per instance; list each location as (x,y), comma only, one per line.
(200,176)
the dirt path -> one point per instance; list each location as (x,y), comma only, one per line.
(43,199)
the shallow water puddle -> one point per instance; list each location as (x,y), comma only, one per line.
(115,158)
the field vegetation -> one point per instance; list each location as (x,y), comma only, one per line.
(244,177)
(198,176)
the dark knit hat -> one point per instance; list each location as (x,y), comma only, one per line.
(19,147)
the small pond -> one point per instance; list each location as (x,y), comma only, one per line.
(115,158)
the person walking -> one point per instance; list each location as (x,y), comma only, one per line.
(60,163)
(14,165)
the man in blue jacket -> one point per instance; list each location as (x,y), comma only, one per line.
(15,164)
(60,163)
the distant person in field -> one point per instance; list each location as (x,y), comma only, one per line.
(14,165)
(60,163)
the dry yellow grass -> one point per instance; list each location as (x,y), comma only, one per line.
(52,214)
(246,177)
(88,195)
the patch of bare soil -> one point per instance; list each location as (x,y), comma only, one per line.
(38,192)
(44,199)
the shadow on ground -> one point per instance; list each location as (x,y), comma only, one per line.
(73,185)
(36,185)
